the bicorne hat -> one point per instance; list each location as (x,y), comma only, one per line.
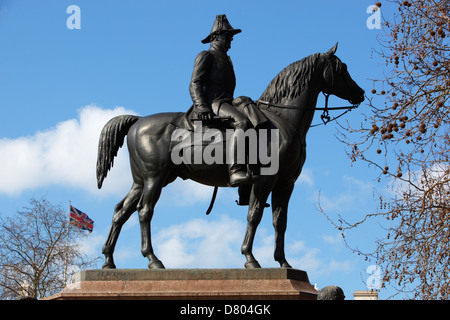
(221,24)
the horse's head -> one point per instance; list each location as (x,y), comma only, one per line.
(337,80)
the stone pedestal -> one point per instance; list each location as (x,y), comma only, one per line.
(189,284)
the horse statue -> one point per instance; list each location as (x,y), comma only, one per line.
(289,102)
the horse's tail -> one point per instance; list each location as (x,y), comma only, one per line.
(111,139)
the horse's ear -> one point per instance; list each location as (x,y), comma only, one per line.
(332,50)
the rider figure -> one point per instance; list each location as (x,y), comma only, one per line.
(212,87)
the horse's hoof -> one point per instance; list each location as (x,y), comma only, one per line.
(252,264)
(284,264)
(156,265)
(108,265)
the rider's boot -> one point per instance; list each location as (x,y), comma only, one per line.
(237,168)
(238,175)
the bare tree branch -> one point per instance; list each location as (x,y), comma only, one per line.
(408,140)
(33,248)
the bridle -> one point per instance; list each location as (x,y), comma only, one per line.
(325,116)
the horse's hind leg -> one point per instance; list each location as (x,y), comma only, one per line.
(123,210)
(280,200)
(151,192)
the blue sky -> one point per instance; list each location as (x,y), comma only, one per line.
(58,87)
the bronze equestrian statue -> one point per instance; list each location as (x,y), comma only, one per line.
(288,105)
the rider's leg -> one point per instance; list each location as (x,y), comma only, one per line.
(237,171)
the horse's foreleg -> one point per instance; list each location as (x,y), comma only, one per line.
(123,210)
(258,196)
(280,200)
(151,193)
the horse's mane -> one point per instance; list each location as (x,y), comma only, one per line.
(291,81)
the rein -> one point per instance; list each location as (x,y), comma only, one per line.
(325,116)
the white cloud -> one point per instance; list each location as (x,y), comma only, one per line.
(306,177)
(421,179)
(336,202)
(311,259)
(63,155)
(356,184)
(300,256)
(127,253)
(91,245)
(201,243)
(131,223)
(352,192)
(207,243)
(335,240)
(186,192)
(263,248)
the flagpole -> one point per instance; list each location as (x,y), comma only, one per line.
(67,244)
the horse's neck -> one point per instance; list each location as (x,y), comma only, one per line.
(302,116)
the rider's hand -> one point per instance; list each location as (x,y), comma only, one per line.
(205,114)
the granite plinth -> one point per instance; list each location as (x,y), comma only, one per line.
(188,284)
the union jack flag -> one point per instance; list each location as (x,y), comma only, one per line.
(81,219)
